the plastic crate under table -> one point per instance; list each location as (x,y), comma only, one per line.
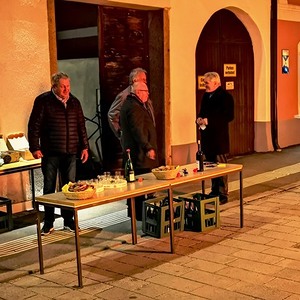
(201,211)
(156,216)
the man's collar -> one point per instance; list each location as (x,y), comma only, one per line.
(59,98)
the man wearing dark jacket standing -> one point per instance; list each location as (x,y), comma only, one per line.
(139,134)
(217,110)
(56,134)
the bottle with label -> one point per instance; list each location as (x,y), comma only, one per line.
(199,158)
(129,172)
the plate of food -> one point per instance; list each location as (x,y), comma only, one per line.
(78,190)
(166,172)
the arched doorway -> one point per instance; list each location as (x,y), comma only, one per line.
(225,44)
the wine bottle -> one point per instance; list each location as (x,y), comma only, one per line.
(199,158)
(129,172)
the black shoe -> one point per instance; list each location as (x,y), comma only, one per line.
(70,226)
(223,199)
(47,229)
(213,194)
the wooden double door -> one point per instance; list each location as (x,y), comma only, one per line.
(225,43)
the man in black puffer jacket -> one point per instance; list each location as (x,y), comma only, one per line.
(56,134)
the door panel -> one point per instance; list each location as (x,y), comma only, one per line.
(224,40)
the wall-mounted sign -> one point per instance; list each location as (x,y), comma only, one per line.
(201,84)
(229,85)
(229,70)
(285,61)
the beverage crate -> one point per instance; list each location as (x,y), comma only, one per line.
(201,211)
(156,216)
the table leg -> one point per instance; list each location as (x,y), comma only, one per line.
(77,244)
(39,238)
(241,201)
(32,187)
(133,221)
(203,186)
(171,224)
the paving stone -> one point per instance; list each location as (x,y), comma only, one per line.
(49,288)
(289,273)
(172,269)
(260,257)
(10,291)
(253,239)
(120,294)
(284,253)
(285,285)
(259,267)
(203,265)
(245,275)
(281,244)
(213,256)
(179,295)
(283,236)
(212,292)
(176,283)
(260,291)
(212,279)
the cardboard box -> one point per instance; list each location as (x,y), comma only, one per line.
(8,156)
(3,146)
(18,142)
(26,154)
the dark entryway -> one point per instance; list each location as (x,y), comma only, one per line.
(122,39)
(225,40)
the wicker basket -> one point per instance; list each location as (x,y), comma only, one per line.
(166,174)
(78,195)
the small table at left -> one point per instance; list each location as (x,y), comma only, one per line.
(22,166)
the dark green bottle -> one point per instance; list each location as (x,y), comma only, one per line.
(129,172)
(199,158)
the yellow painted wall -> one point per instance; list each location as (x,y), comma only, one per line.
(24,60)
(186,24)
(24,73)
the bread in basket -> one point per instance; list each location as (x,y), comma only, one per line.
(166,172)
(78,191)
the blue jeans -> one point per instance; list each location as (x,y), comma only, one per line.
(65,166)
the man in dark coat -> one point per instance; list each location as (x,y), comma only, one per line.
(139,134)
(56,134)
(137,74)
(217,110)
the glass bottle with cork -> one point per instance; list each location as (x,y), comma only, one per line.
(199,158)
(129,171)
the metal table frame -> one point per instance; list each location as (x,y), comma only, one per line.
(147,186)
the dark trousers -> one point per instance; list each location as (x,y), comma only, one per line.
(219,185)
(65,166)
(138,200)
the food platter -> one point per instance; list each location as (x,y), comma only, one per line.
(166,172)
(78,191)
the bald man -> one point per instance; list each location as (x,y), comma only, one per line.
(139,134)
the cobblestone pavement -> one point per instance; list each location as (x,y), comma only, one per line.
(259,261)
